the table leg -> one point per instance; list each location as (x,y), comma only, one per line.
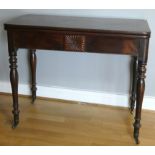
(139,98)
(133,89)
(33,61)
(14,85)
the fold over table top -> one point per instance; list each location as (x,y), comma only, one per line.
(108,25)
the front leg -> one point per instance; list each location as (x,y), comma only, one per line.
(14,85)
(139,98)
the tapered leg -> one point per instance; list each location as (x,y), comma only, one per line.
(33,62)
(14,85)
(139,98)
(133,89)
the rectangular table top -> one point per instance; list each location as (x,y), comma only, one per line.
(108,25)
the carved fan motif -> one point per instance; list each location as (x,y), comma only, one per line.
(74,43)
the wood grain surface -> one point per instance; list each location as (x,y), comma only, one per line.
(58,122)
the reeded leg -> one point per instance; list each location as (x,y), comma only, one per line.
(33,61)
(133,89)
(14,85)
(139,98)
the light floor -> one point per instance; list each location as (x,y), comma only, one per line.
(56,122)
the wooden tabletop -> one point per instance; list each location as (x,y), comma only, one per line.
(114,25)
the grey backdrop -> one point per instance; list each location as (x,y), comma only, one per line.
(96,72)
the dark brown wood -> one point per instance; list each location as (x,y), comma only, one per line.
(80,34)
(13,79)
(33,63)
(142,62)
(134,80)
(69,41)
(140,94)
(83,24)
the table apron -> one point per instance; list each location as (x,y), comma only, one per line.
(75,42)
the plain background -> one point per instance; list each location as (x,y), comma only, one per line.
(92,72)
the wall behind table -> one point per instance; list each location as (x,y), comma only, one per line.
(75,71)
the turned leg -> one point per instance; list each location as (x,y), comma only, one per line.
(33,61)
(14,85)
(139,98)
(133,89)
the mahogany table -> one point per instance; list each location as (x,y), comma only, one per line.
(80,34)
